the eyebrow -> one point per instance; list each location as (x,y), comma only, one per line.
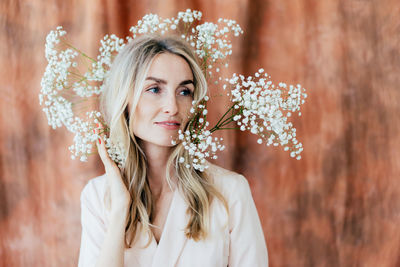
(165,82)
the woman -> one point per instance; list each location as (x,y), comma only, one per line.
(156,211)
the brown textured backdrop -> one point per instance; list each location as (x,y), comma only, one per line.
(338,206)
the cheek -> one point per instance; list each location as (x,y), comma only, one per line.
(185,107)
(185,111)
(146,107)
(140,116)
(135,125)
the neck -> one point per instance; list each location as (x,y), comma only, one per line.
(157,157)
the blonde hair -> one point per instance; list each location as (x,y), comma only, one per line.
(125,82)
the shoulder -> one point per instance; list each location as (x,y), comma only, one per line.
(93,191)
(230,184)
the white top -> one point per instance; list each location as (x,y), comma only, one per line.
(237,243)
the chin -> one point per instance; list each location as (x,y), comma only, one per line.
(165,142)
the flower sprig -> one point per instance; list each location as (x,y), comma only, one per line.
(73,80)
(257,106)
(66,93)
(264,109)
(197,139)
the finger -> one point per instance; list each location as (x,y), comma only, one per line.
(105,158)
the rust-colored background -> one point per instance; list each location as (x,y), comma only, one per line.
(338,206)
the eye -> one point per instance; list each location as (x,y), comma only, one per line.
(154,90)
(186,92)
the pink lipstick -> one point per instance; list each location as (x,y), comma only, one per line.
(169,125)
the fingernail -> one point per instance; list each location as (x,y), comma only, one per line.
(99,141)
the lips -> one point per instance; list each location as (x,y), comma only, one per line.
(169,125)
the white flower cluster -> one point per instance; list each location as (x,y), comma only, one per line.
(56,88)
(86,135)
(64,85)
(197,140)
(200,146)
(116,151)
(258,105)
(263,109)
(55,79)
(91,81)
(83,140)
(212,44)
(152,23)
(210,41)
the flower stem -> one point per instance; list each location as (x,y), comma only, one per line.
(79,51)
(77,74)
(235,128)
(223,116)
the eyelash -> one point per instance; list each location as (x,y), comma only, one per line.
(158,89)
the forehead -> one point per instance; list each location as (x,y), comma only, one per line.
(170,67)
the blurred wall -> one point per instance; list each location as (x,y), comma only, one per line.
(338,206)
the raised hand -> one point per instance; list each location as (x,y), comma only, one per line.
(117,197)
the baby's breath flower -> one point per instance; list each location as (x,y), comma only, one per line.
(200,146)
(257,105)
(264,109)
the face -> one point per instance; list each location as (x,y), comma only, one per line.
(165,101)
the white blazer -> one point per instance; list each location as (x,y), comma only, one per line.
(240,242)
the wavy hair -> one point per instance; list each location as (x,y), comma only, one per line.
(125,82)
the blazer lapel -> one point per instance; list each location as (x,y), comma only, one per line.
(173,237)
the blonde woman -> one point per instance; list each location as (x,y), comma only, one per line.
(156,211)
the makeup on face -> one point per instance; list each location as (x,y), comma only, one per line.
(165,101)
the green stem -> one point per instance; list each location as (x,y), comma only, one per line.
(77,74)
(229,119)
(226,122)
(79,102)
(79,51)
(187,28)
(235,128)
(223,116)
(205,65)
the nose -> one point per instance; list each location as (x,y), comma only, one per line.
(170,106)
